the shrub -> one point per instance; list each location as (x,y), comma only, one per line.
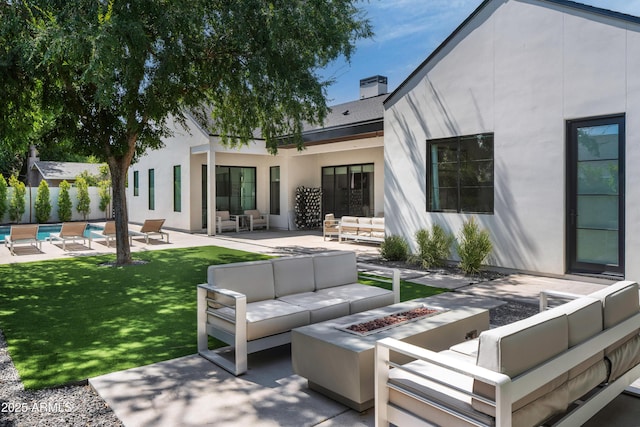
(473,247)
(84,202)
(394,248)
(64,202)
(3,197)
(104,191)
(16,205)
(434,247)
(43,204)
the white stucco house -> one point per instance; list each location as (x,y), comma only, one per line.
(194,175)
(526,117)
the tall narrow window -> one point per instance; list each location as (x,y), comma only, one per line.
(136,183)
(460,174)
(152,192)
(274,195)
(177,192)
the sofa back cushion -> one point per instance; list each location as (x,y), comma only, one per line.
(584,317)
(334,269)
(619,302)
(293,275)
(253,279)
(515,348)
(349,224)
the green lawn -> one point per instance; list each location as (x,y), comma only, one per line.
(72,319)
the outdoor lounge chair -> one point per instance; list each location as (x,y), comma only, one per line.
(72,231)
(109,233)
(151,227)
(257,219)
(22,234)
(226,221)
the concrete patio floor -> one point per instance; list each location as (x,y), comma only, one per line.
(190,391)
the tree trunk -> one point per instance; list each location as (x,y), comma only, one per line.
(118,170)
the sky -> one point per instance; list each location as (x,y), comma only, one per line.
(405,34)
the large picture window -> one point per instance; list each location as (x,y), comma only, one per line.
(235,189)
(460,174)
(348,190)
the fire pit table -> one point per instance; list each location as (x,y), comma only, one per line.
(337,360)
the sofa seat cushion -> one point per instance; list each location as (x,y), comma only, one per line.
(253,279)
(468,348)
(361,297)
(264,318)
(624,357)
(435,392)
(293,275)
(319,306)
(332,269)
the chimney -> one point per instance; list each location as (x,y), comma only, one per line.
(373,86)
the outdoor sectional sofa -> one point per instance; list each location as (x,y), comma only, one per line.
(364,229)
(560,366)
(254,305)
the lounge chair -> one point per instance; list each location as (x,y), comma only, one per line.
(72,231)
(109,233)
(23,234)
(226,221)
(257,219)
(151,227)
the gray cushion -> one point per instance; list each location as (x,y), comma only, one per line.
(265,318)
(334,269)
(293,275)
(619,301)
(319,306)
(624,357)
(361,297)
(253,279)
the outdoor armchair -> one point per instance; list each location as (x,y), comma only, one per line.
(226,221)
(257,219)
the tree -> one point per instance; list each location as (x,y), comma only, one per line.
(84,201)
(64,202)
(3,197)
(104,191)
(16,205)
(43,204)
(116,73)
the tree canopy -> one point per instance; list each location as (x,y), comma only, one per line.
(108,75)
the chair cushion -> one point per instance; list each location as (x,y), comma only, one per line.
(334,269)
(253,279)
(361,297)
(224,215)
(254,213)
(264,318)
(293,275)
(319,306)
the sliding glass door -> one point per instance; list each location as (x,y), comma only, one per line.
(235,189)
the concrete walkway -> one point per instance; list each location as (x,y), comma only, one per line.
(191,391)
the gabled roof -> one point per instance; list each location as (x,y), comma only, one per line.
(565,3)
(65,170)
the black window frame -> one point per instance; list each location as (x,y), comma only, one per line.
(274,191)
(458,189)
(136,183)
(152,189)
(177,188)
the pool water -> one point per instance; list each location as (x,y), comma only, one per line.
(45,230)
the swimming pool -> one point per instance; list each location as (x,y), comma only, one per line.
(45,230)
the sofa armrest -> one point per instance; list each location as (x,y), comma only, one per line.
(237,302)
(395,280)
(545,294)
(382,364)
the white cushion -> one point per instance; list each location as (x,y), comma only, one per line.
(334,269)
(361,297)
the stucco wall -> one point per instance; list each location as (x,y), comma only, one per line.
(520,69)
